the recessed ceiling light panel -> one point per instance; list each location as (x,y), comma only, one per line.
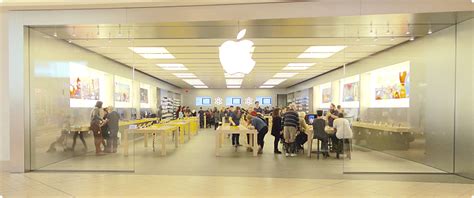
(157,56)
(233,86)
(325,49)
(274,81)
(316,55)
(184,75)
(300,64)
(321,51)
(284,75)
(193,81)
(295,68)
(200,87)
(266,86)
(149,50)
(233,81)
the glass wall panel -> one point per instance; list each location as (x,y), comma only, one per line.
(464,97)
(66,83)
(405,121)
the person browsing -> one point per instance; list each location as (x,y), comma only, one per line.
(262,129)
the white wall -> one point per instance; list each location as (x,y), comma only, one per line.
(4,108)
(189,96)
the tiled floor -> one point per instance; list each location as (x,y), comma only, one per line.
(133,185)
(194,170)
(197,157)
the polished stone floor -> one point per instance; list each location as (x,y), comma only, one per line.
(197,157)
(193,170)
(135,185)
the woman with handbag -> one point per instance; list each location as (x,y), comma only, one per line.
(96,122)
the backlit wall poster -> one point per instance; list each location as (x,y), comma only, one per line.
(144,95)
(326,95)
(85,85)
(390,86)
(350,91)
(123,92)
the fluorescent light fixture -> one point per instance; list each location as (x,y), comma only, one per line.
(184,75)
(324,49)
(193,81)
(200,87)
(295,68)
(300,64)
(172,66)
(274,81)
(315,55)
(284,75)
(237,75)
(157,56)
(149,50)
(266,86)
(233,81)
(233,86)
(321,51)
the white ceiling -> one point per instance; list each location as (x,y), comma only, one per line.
(277,43)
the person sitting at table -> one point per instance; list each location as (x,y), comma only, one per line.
(302,135)
(343,133)
(319,125)
(262,129)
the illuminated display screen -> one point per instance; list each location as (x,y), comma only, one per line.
(203,101)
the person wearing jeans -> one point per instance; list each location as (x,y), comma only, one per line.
(290,122)
(234,120)
(262,129)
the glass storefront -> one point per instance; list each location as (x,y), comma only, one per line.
(399,88)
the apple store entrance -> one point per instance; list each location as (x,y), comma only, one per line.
(136,79)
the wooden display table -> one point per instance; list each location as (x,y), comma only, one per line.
(194,124)
(153,130)
(224,130)
(184,128)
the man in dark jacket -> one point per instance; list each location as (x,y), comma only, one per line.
(112,121)
(319,125)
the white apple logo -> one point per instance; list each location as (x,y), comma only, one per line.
(236,57)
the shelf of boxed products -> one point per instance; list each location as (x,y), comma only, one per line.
(167,106)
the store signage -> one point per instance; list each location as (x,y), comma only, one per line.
(236,57)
